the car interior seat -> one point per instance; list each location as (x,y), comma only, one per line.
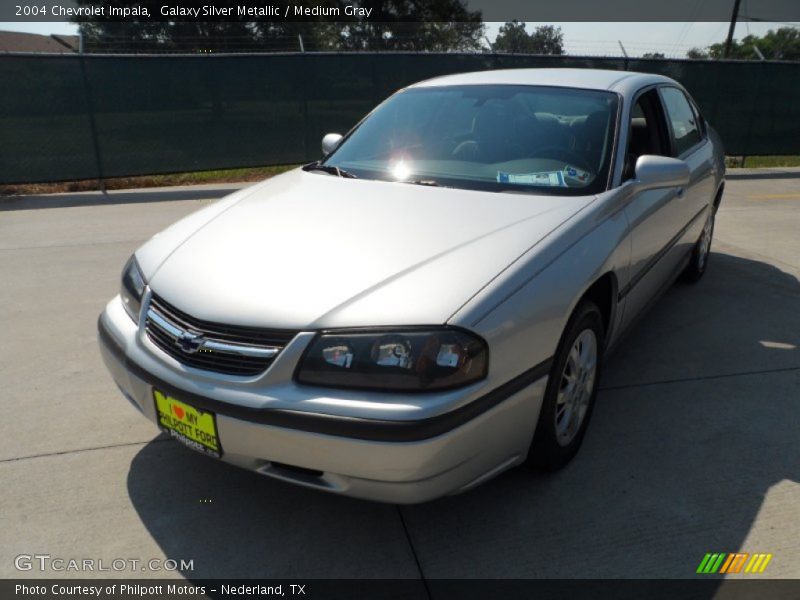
(592,137)
(638,145)
(490,128)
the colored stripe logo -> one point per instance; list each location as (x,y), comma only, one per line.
(736,562)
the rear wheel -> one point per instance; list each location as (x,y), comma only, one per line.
(571,390)
(702,249)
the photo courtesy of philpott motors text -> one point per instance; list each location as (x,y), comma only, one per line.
(66,590)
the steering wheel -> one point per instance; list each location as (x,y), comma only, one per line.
(567,155)
(466,150)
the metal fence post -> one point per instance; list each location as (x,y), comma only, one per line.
(92,124)
(304,88)
(755,92)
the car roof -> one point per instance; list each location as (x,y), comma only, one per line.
(594,79)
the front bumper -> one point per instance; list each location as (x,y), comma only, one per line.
(405,460)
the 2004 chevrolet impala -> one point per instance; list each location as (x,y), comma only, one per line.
(430,303)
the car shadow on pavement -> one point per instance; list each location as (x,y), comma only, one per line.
(693,440)
(236,524)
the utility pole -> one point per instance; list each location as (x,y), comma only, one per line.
(734,16)
(58,40)
(623,47)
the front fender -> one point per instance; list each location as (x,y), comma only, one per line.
(523,314)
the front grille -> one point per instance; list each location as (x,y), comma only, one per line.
(228,349)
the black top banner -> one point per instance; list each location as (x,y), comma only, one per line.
(379,11)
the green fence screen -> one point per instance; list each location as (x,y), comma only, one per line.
(81,117)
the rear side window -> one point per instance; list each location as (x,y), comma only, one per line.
(685,129)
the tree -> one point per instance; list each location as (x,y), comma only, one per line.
(696,53)
(439,25)
(776,44)
(514,38)
(189,37)
(547,39)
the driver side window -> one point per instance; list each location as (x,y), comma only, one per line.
(647,132)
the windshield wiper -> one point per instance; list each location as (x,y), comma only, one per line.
(330,169)
(428,182)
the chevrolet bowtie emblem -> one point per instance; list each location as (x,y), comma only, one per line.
(189,342)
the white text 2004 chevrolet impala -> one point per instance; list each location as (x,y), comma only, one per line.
(430,303)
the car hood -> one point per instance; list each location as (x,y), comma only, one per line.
(310,250)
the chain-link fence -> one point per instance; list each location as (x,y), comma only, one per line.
(72,117)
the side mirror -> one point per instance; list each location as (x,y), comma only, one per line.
(329,143)
(654,172)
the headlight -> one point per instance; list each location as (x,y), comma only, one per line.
(132,288)
(412,360)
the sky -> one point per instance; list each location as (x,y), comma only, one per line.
(593,39)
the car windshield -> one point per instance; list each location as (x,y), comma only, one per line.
(536,139)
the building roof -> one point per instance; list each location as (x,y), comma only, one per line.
(18,41)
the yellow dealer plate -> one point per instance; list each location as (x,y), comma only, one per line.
(187,424)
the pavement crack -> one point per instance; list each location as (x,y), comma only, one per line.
(414,552)
(700,378)
(77,450)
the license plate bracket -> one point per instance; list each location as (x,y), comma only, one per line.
(191,426)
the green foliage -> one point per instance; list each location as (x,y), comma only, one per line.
(513,38)
(776,44)
(440,26)
(697,53)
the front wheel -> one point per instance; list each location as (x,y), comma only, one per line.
(571,390)
(702,248)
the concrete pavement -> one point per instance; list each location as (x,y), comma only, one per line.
(692,449)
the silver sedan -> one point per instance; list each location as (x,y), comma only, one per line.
(430,303)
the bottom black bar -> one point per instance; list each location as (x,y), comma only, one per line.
(701,588)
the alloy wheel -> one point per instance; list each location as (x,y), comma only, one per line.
(705,242)
(576,386)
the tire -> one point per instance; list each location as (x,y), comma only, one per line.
(698,263)
(555,442)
